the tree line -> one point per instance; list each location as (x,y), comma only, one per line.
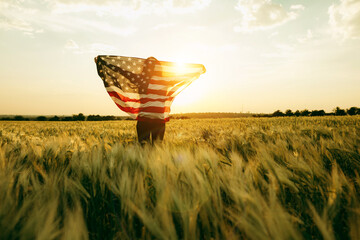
(288,113)
(209,115)
(75,117)
(305,113)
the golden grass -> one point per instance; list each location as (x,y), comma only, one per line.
(278,178)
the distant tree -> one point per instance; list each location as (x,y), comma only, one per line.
(41,118)
(305,112)
(79,117)
(254,115)
(6,119)
(339,112)
(278,113)
(329,114)
(54,118)
(19,118)
(297,113)
(94,118)
(109,118)
(317,113)
(289,113)
(353,111)
(67,119)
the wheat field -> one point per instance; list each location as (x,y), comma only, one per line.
(246,178)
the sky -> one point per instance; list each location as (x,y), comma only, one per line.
(260,55)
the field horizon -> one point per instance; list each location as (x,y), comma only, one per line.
(278,113)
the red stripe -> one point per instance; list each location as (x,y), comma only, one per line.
(141,100)
(174,74)
(164,82)
(154,109)
(160,92)
(121,97)
(157,73)
(145,100)
(144,109)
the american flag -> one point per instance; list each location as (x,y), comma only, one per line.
(145,88)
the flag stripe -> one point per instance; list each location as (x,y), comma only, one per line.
(135,95)
(164,82)
(167,88)
(160,92)
(175,78)
(165,63)
(167,75)
(179,68)
(147,110)
(157,87)
(141,100)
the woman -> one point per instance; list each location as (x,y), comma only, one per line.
(145,89)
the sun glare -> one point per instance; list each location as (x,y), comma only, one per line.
(180,67)
(193,93)
(190,94)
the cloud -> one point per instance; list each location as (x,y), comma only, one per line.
(129,8)
(18,24)
(71,44)
(309,35)
(95,48)
(35,16)
(228,47)
(163,25)
(280,50)
(344,19)
(297,7)
(11,17)
(101,26)
(31,17)
(273,34)
(263,14)
(285,47)
(197,28)
(100,48)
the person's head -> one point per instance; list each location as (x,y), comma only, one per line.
(149,65)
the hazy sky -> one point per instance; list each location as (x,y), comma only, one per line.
(260,55)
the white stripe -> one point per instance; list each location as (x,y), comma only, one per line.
(134,95)
(181,69)
(183,65)
(166,88)
(175,78)
(175,89)
(158,87)
(141,105)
